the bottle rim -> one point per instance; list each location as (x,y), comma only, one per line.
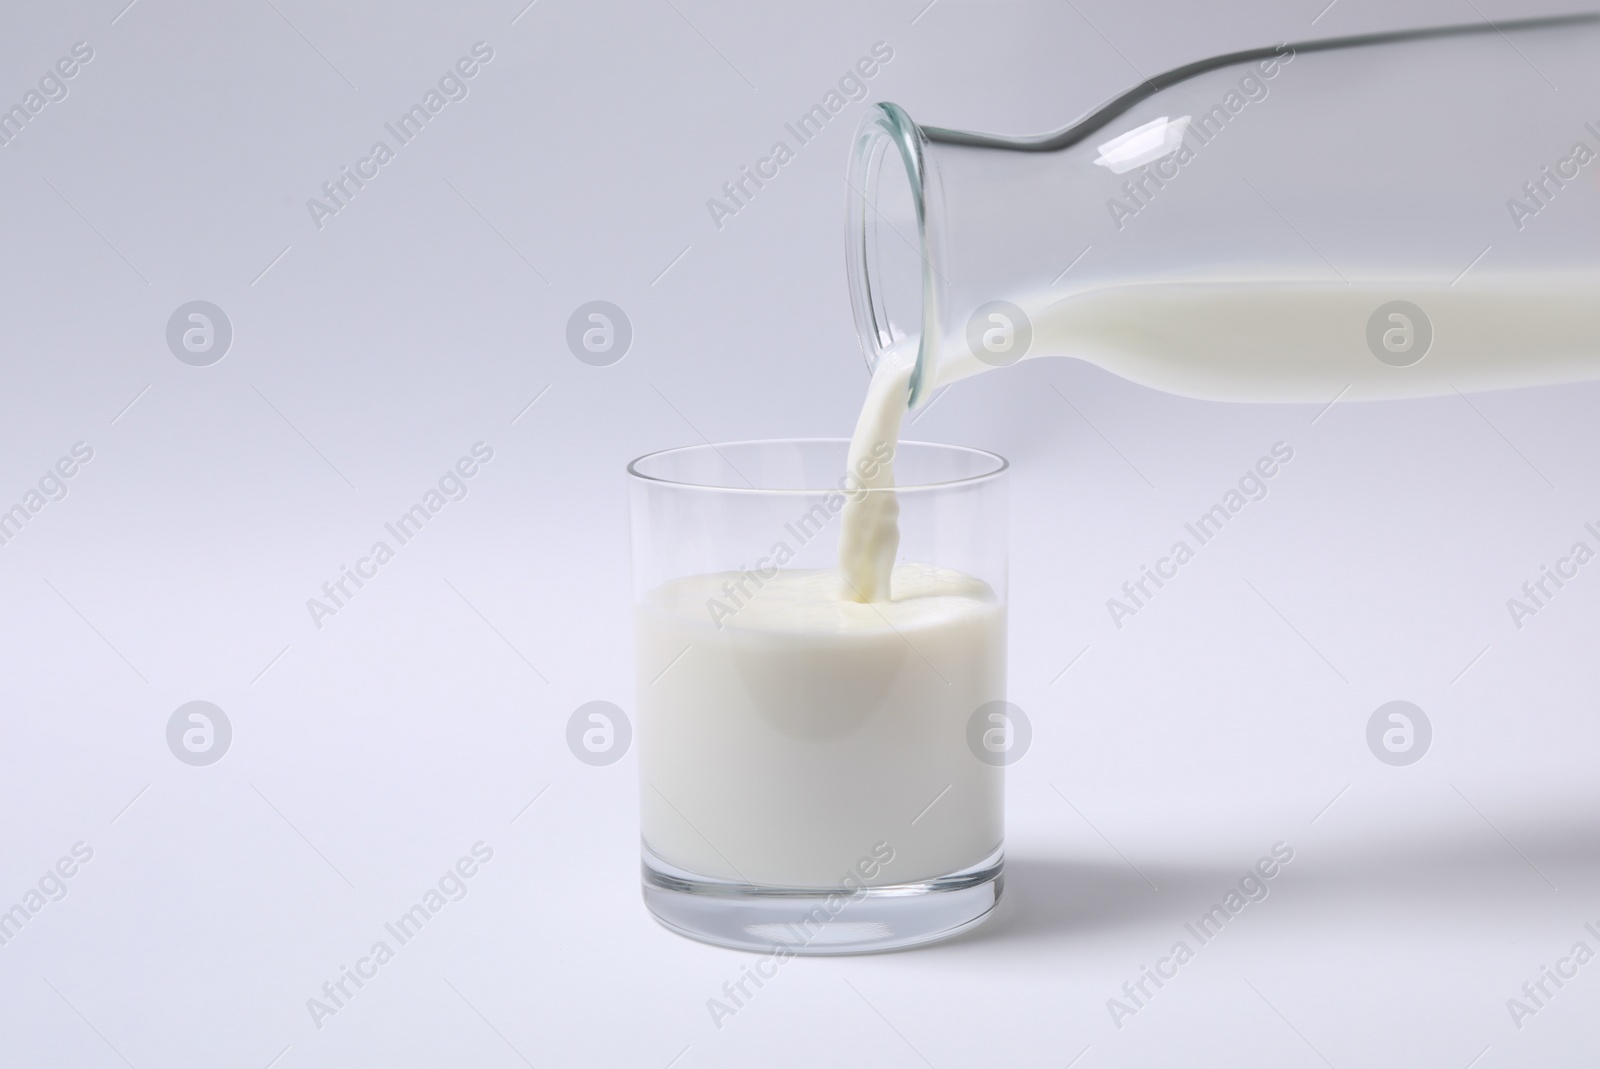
(884,129)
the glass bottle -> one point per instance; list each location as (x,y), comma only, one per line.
(1391,215)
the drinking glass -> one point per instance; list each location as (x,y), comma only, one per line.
(818,775)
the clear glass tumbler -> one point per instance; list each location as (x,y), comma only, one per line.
(818,775)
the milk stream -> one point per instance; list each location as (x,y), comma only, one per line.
(869,531)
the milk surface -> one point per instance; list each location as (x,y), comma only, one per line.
(780,747)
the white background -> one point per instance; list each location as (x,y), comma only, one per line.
(368,755)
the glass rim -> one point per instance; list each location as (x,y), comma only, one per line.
(1000,466)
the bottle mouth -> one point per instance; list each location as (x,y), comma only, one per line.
(892,252)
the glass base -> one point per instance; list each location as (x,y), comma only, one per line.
(817,922)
